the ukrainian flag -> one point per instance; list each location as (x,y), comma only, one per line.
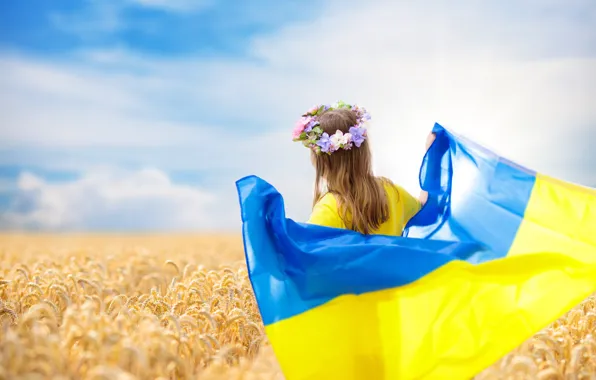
(496,254)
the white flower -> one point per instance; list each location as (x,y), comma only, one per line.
(339,140)
(336,139)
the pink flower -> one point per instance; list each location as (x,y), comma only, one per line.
(300,125)
(313,109)
(297,132)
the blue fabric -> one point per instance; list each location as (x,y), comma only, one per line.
(474,195)
(294,266)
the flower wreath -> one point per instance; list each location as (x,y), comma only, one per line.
(312,136)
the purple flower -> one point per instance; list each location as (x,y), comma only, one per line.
(324,142)
(357,135)
(310,125)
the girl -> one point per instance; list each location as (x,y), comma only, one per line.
(353,197)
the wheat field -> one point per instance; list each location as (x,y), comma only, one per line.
(181,307)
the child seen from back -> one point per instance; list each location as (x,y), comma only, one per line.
(347,194)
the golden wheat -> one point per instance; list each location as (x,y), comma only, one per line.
(181,307)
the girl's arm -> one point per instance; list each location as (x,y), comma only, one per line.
(423,194)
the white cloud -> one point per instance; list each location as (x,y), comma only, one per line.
(69,105)
(521,81)
(108,199)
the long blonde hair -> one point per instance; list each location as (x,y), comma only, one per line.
(348,175)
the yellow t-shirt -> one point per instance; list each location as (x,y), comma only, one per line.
(402,207)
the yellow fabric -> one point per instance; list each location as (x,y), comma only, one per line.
(402,207)
(448,324)
(560,217)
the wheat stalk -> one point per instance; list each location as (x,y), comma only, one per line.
(183,308)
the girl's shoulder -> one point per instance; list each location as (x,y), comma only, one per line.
(325,212)
(327,199)
(398,193)
(390,187)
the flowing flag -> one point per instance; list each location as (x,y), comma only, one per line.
(496,254)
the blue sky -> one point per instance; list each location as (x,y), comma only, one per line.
(175,28)
(141,114)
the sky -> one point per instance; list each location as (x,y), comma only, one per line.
(140,115)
